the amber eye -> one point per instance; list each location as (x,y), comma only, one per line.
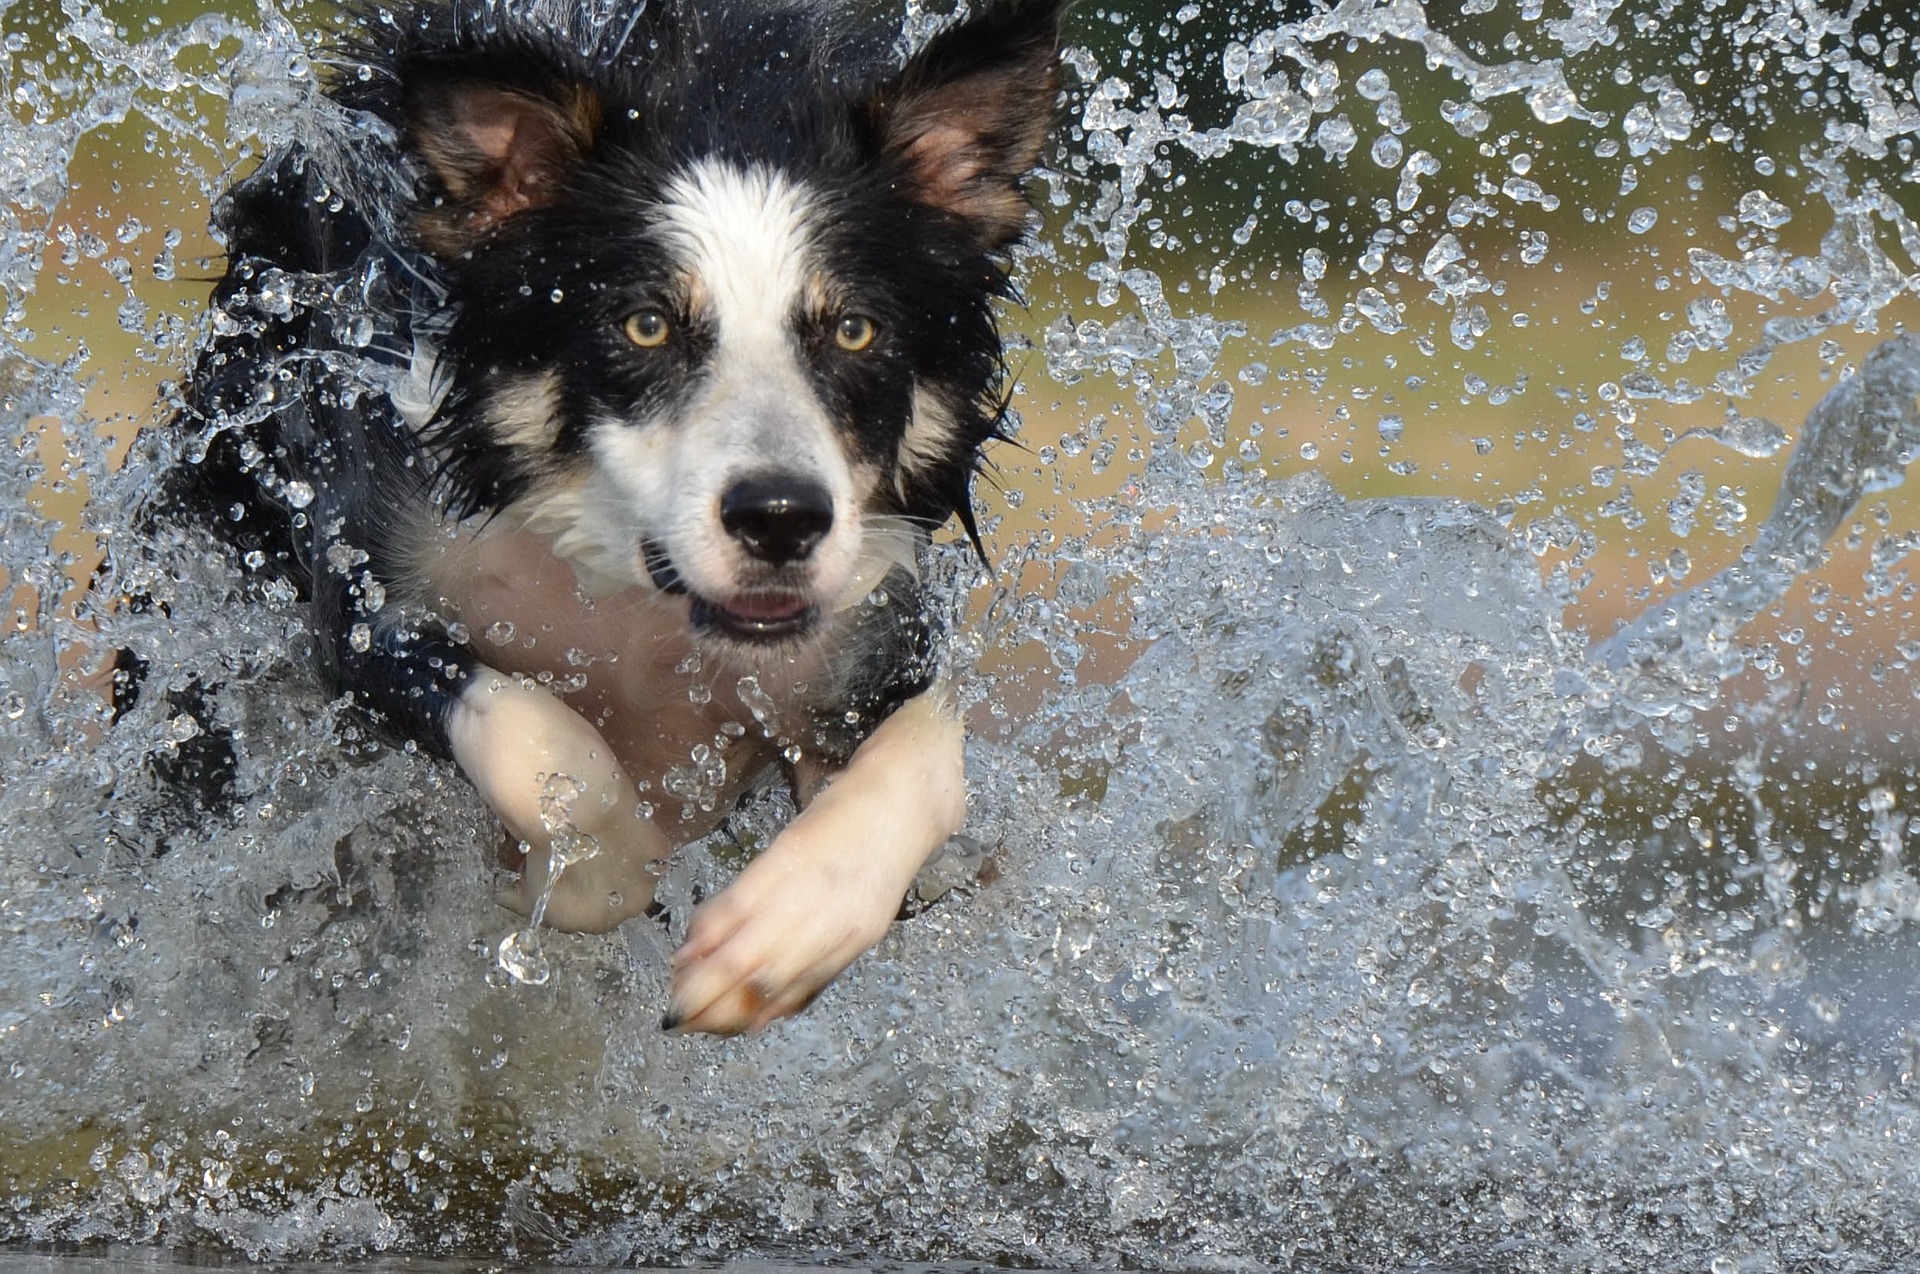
(854,333)
(648,329)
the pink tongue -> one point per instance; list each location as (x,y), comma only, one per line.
(766,608)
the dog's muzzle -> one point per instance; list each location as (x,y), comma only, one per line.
(778,520)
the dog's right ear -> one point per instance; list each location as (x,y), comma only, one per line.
(493,150)
(968,115)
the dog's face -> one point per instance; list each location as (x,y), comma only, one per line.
(739,358)
(752,369)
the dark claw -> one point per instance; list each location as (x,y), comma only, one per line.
(671,1020)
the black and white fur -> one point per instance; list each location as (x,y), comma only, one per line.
(598,378)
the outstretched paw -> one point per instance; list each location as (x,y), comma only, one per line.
(829,885)
(767,945)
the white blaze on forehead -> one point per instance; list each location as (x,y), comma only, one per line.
(744,237)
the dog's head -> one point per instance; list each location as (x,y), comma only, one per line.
(720,294)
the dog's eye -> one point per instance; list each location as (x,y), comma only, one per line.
(648,329)
(854,333)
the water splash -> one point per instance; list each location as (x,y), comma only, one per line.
(1328,896)
(1857,441)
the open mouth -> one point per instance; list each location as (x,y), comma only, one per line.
(762,615)
(756,616)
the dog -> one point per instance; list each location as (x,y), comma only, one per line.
(598,377)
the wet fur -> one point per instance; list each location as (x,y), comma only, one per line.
(426,407)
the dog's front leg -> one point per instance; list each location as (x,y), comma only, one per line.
(554,782)
(829,885)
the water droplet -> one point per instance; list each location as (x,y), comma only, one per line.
(1757,209)
(1336,136)
(1753,436)
(520,958)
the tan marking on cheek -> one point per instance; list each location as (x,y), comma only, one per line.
(928,438)
(525,412)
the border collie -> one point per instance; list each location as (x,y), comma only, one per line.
(598,376)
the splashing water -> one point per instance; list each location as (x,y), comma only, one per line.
(1329,894)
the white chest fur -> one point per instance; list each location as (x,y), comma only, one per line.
(691,726)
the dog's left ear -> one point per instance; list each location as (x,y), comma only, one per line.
(968,115)
(495,149)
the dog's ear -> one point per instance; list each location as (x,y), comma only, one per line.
(494,150)
(968,115)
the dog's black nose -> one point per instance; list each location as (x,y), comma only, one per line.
(777,517)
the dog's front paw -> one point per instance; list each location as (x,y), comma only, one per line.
(829,885)
(772,941)
(557,786)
